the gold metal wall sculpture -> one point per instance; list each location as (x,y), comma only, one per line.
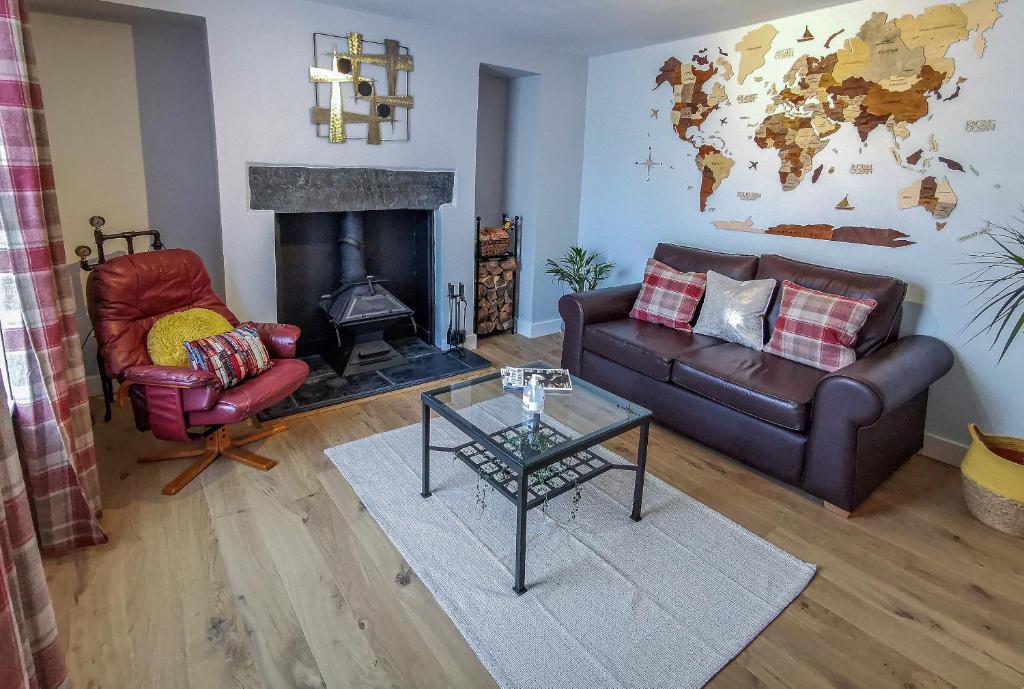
(334,68)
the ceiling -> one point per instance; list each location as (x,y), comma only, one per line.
(587,27)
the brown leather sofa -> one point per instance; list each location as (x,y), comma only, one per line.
(835,435)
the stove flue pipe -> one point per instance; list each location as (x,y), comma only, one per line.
(351,247)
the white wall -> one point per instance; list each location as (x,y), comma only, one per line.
(624,216)
(87,73)
(259,62)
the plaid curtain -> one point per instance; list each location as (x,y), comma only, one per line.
(30,656)
(45,374)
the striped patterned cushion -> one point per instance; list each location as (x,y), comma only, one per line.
(232,357)
(817,328)
(668,297)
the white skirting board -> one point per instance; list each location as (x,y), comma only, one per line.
(943,449)
(538,328)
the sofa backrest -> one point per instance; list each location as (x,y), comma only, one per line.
(882,325)
(690,260)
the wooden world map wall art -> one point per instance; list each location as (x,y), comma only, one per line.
(345,77)
(888,77)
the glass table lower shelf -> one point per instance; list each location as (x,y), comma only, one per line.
(542,485)
(549,453)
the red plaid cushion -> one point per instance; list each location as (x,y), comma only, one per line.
(817,328)
(668,296)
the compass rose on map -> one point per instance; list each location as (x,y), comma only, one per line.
(649,163)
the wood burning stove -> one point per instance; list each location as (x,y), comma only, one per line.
(361,308)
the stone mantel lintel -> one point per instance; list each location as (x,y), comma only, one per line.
(302,189)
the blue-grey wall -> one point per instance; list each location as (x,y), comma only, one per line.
(522,159)
(178,143)
(623,215)
(491,123)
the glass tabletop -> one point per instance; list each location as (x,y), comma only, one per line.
(582,417)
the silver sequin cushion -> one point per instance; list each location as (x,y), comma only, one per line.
(734,310)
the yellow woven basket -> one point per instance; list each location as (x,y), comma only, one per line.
(993,479)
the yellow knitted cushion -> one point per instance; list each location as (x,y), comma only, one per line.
(166,339)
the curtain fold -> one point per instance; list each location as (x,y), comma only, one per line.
(44,371)
(30,655)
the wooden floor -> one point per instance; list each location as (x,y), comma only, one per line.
(282,580)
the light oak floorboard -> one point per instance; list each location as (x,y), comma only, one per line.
(282,579)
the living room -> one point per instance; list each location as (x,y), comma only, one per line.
(717,305)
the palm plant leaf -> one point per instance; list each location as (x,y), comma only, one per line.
(998,284)
(578,269)
(1013,336)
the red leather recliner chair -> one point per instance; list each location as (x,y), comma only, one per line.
(126,295)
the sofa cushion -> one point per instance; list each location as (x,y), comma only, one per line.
(734,309)
(762,385)
(668,297)
(689,260)
(647,348)
(882,325)
(818,329)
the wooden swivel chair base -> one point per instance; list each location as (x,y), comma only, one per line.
(219,443)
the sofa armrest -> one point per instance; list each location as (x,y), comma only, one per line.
(280,339)
(169,377)
(887,379)
(583,308)
(868,418)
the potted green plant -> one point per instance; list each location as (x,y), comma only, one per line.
(993,468)
(998,280)
(578,269)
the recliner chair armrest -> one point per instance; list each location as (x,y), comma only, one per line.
(280,339)
(169,377)
(596,306)
(888,378)
(170,392)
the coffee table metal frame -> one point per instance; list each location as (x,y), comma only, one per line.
(641,420)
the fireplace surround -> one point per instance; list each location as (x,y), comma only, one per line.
(364,232)
(314,205)
(295,189)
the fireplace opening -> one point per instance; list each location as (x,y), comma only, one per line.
(355,271)
(356,282)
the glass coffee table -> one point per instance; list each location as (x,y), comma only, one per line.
(549,452)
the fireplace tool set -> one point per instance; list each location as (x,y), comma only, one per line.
(456,337)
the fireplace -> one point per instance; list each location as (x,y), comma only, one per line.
(354,280)
(355,271)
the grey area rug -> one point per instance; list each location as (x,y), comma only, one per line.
(665,602)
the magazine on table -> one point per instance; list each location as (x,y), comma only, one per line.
(551,379)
